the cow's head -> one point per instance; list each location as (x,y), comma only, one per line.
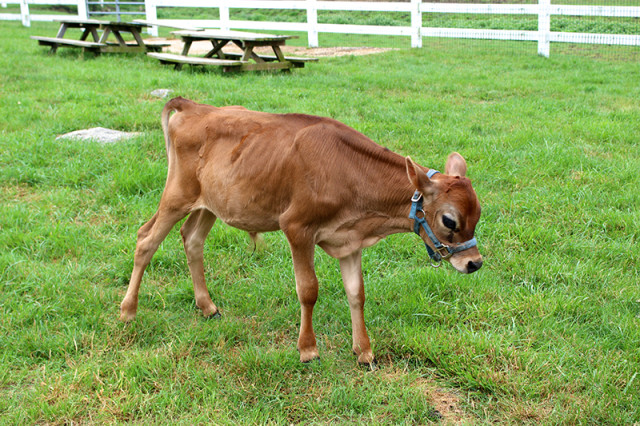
(450,209)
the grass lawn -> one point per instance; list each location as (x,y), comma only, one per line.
(548,331)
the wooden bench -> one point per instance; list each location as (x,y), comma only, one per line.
(55,42)
(297,62)
(179,60)
(150,45)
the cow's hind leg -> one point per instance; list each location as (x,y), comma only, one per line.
(194,232)
(150,235)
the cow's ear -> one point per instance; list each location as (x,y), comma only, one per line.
(418,177)
(456,165)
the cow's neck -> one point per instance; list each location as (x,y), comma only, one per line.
(388,193)
(379,208)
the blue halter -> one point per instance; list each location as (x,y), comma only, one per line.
(442,251)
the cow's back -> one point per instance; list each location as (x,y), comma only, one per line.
(249,167)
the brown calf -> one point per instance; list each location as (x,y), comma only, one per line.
(318,180)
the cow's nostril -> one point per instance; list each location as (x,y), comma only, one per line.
(473,266)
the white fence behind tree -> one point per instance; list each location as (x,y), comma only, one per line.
(416,8)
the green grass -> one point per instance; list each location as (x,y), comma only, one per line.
(547,332)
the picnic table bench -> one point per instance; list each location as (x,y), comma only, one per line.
(248,60)
(55,42)
(99,43)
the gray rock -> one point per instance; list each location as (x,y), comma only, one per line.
(161,93)
(99,134)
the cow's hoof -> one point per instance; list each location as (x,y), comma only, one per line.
(127,317)
(312,361)
(371,366)
(214,316)
(127,313)
(207,307)
(366,358)
(309,355)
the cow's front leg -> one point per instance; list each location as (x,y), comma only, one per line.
(351,269)
(307,288)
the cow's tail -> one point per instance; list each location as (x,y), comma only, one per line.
(174,105)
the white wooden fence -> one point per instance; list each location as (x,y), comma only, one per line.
(26,17)
(543,10)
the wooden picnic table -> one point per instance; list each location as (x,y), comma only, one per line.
(248,60)
(99,43)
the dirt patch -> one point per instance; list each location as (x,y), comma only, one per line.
(447,404)
(318,52)
(202,47)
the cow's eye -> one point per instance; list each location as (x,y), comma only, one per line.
(448,222)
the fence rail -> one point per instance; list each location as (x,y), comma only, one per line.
(97,7)
(26,17)
(416,8)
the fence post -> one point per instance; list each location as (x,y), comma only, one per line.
(544,27)
(151,14)
(416,23)
(224,18)
(24,13)
(312,23)
(82,9)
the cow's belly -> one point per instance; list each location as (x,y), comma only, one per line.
(250,224)
(342,243)
(241,211)
(240,215)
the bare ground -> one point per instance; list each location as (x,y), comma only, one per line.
(202,47)
(446,402)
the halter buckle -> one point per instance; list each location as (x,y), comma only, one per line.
(444,251)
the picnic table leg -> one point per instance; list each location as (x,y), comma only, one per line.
(121,41)
(94,34)
(136,35)
(217,49)
(248,53)
(86,33)
(246,50)
(185,48)
(62,30)
(279,54)
(105,36)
